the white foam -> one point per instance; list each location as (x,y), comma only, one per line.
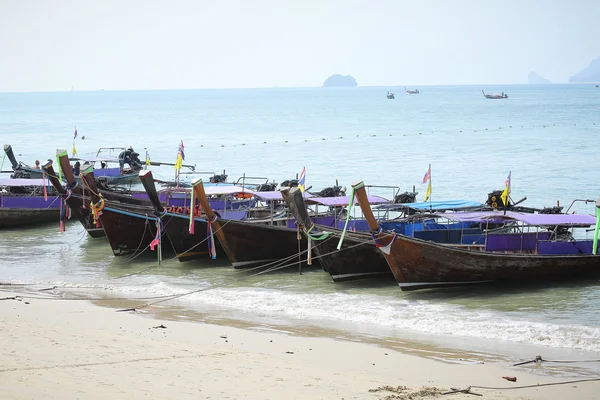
(416,316)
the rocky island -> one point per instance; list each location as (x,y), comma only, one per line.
(590,74)
(535,79)
(339,80)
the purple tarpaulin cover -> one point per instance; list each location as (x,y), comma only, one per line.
(530,219)
(344,200)
(274,195)
(23,182)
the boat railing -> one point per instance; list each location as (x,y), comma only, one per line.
(245,178)
(579,200)
(395,189)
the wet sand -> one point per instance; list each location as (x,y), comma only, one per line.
(59,349)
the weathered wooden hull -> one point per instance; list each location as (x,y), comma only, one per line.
(96,232)
(418,264)
(357,259)
(254,244)
(76,202)
(129,231)
(189,246)
(16,217)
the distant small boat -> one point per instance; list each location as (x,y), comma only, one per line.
(410,91)
(597,86)
(495,95)
(390,95)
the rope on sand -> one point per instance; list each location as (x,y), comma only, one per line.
(468,389)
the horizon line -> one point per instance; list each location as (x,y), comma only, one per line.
(292,87)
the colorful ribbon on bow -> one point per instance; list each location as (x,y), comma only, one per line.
(45,185)
(350,204)
(97,211)
(212,251)
(65,214)
(157,239)
(192,209)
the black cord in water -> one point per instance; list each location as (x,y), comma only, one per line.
(539,359)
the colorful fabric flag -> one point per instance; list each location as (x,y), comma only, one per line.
(147,158)
(74,149)
(180,157)
(595,243)
(427,178)
(302,180)
(428,192)
(506,192)
(75,135)
(427,175)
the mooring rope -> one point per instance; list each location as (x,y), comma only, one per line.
(537,385)
(275,265)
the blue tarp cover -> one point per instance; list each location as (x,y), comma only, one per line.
(434,205)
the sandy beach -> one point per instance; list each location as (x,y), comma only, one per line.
(60,349)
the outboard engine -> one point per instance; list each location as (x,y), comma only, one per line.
(20,174)
(266,187)
(552,210)
(406,197)
(219,178)
(135,163)
(495,201)
(334,191)
(290,183)
(131,158)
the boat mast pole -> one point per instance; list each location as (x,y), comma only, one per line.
(431,186)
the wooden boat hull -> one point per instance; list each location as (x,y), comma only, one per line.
(418,264)
(130,232)
(357,259)
(96,232)
(188,246)
(16,217)
(254,244)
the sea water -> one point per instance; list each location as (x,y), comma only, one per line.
(547,136)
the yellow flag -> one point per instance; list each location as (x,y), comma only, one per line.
(428,191)
(74,150)
(504,196)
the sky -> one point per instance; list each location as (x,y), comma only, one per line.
(56,45)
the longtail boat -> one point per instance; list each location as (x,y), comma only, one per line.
(515,257)
(251,244)
(21,169)
(411,91)
(76,206)
(255,242)
(357,258)
(78,198)
(495,96)
(188,242)
(22,203)
(129,228)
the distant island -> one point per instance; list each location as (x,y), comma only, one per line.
(590,74)
(339,80)
(535,79)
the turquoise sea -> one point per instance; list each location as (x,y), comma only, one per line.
(547,136)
